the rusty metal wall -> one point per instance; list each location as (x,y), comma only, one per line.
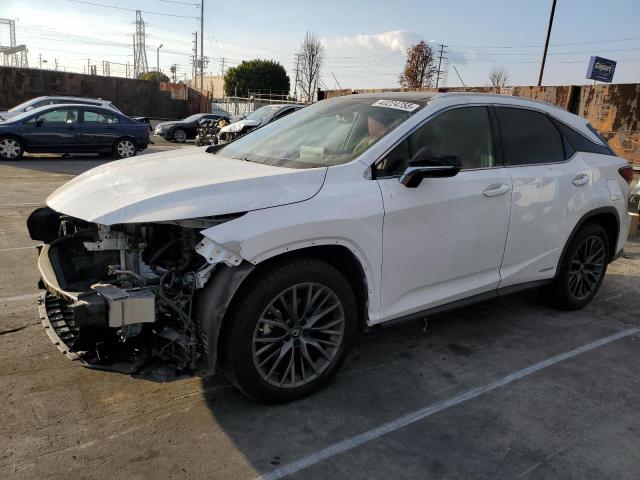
(133,97)
(612,109)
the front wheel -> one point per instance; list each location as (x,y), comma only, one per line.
(10,149)
(179,135)
(289,331)
(124,148)
(582,268)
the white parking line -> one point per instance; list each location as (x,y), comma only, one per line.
(19,248)
(17,298)
(357,440)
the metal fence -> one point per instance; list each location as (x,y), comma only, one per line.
(244,105)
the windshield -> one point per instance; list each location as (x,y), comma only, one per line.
(261,113)
(331,132)
(194,117)
(22,106)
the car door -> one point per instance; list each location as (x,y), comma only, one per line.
(550,193)
(55,130)
(443,240)
(98,129)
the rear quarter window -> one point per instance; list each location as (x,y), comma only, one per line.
(529,137)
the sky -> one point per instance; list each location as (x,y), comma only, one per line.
(365,41)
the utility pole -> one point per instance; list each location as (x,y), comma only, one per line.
(88,66)
(222,62)
(201,46)
(194,72)
(546,43)
(337,82)
(295,87)
(56,62)
(456,70)
(442,52)
(40,60)
(158,60)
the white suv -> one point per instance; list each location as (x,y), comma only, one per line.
(266,255)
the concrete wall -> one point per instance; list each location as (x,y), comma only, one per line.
(133,97)
(612,109)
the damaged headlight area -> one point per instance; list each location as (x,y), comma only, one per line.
(121,297)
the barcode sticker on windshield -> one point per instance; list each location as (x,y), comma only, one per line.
(407,107)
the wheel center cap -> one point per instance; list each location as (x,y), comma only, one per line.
(296,332)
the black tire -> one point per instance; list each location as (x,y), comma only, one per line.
(180,135)
(125,148)
(563,292)
(11,148)
(237,344)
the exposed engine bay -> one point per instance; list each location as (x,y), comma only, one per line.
(121,297)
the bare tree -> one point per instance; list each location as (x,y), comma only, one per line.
(310,57)
(420,67)
(498,77)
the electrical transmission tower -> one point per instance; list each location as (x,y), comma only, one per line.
(139,50)
(441,55)
(13,55)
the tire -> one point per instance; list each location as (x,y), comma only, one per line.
(124,148)
(291,367)
(582,269)
(11,148)
(179,135)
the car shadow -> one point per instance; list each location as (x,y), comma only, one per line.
(395,370)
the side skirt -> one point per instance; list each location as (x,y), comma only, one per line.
(465,302)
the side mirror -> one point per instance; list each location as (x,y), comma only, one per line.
(39,122)
(425,165)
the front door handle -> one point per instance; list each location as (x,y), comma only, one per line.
(496,190)
(580,179)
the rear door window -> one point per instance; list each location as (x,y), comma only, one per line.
(529,137)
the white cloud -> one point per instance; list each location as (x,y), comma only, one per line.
(393,40)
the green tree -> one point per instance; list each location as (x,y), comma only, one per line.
(153,76)
(256,75)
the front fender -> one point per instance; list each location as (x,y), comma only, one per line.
(347,211)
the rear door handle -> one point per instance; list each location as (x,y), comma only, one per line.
(580,179)
(496,190)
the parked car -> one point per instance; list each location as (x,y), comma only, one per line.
(72,128)
(258,118)
(56,100)
(263,257)
(182,130)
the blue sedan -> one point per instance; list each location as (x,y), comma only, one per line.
(72,129)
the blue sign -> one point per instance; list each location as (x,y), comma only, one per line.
(601,69)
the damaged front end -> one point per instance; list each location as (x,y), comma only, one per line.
(121,297)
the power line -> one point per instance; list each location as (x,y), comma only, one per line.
(131,9)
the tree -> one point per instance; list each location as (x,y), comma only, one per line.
(498,77)
(420,67)
(309,60)
(255,75)
(153,76)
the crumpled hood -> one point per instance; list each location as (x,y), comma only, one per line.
(238,126)
(180,184)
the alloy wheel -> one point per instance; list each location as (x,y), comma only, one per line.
(126,149)
(298,335)
(180,136)
(587,266)
(10,148)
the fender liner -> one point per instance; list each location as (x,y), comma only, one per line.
(584,219)
(211,306)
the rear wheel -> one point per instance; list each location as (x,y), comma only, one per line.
(10,148)
(582,269)
(179,135)
(290,331)
(124,148)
